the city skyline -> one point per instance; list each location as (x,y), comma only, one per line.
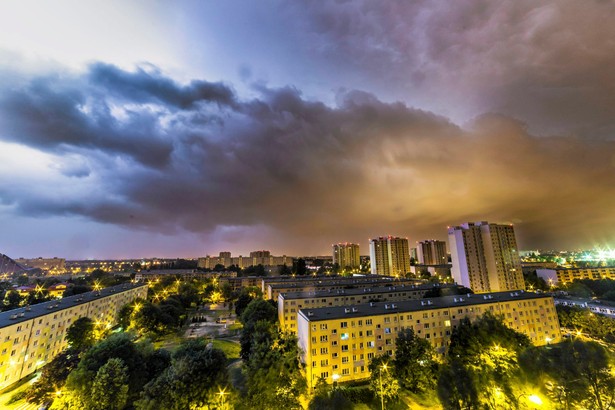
(133,130)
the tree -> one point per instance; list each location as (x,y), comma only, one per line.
(53,377)
(80,335)
(382,381)
(257,310)
(12,300)
(121,346)
(195,375)
(414,365)
(274,373)
(456,388)
(299,267)
(577,372)
(485,354)
(110,386)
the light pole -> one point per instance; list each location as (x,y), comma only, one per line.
(381,368)
(222,392)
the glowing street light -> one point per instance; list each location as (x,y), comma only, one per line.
(534,399)
(222,393)
(381,368)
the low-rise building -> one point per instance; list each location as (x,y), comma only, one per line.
(32,336)
(337,343)
(562,276)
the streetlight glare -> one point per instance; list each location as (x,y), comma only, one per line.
(535,399)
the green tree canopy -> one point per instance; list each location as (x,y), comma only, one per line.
(415,364)
(382,380)
(80,335)
(196,374)
(110,386)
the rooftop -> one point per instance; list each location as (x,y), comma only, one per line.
(348,281)
(24,314)
(383,308)
(362,291)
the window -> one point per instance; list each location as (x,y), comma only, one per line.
(345,359)
(387,330)
(371,344)
(344,325)
(324,350)
(368,322)
(344,336)
(345,371)
(323,338)
(344,348)
(323,326)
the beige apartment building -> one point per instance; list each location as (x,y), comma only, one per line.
(338,342)
(346,255)
(389,256)
(563,276)
(431,252)
(32,336)
(485,257)
(338,283)
(289,304)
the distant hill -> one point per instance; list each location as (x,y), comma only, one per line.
(8,265)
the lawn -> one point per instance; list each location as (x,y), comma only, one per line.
(231,349)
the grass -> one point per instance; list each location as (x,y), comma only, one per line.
(169,342)
(230,349)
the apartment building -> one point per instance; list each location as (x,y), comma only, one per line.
(346,255)
(389,256)
(338,342)
(485,257)
(274,289)
(32,336)
(567,275)
(289,304)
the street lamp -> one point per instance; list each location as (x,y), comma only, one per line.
(222,393)
(381,368)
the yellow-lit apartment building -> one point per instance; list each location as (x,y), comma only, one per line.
(32,336)
(339,283)
(290,303)
(562,276)
(337,343)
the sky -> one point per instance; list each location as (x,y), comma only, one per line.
(179,129)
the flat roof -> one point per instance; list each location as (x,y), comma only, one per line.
(56,305)
(363,291)
(384,308)
(348,281)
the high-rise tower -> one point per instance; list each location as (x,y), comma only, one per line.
(485,257)
(431,252)
(389,256)
(346,255)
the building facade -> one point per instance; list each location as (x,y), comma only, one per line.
(390,256)
(563,276)
(346,255)
(485,257)
(431,252)
(32,336)
(256,258)
(338,342)
(289,304)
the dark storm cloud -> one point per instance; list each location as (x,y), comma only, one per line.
(298,167)
(146,86)
(56,113)
(547,62)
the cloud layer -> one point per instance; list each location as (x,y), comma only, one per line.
(139,150)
